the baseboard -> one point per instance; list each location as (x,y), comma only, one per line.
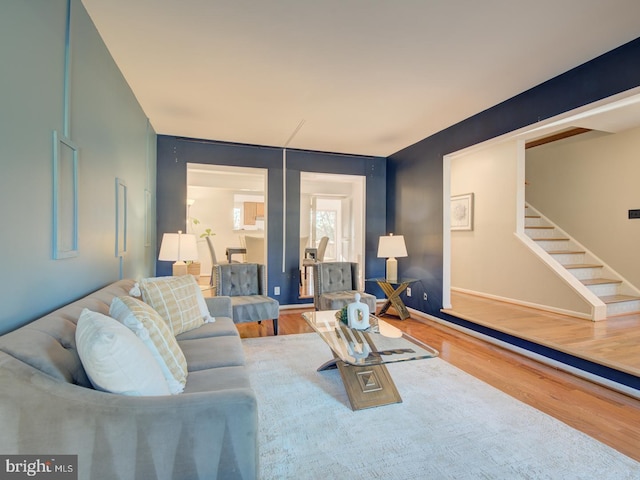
(546,308)
(605,382)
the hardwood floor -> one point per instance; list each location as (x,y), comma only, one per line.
(608,416)
(614,342)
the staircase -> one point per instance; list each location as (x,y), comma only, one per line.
(619,296)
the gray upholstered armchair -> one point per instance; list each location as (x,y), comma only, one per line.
(335,285)
(246,284)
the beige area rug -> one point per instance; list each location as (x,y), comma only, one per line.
(449,426)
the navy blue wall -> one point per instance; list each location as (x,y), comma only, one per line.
(414,202)
(174,153)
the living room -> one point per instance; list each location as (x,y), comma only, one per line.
(37,86)
(63,78)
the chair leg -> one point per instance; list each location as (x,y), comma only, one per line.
(275,326)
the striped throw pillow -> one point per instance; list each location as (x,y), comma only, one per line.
(175,299)
(151,328)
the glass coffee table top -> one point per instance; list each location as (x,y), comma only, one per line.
(381,343)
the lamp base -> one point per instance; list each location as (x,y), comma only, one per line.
(179,269)
(392,269)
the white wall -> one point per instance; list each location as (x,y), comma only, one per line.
(114,140)
(587,187)
(490,259)
(213,207)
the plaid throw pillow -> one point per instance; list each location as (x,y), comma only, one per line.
(147,324)
(175,299)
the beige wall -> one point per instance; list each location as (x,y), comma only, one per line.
(213,207)
(491,259)
(587,186)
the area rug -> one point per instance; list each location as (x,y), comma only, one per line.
(450,425)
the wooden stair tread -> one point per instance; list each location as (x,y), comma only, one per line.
(618,298)
(581,265)
(532,216)
(599,281)
(565,252)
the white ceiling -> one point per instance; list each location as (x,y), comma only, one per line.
(356,76)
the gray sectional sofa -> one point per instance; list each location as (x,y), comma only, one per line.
(48,405)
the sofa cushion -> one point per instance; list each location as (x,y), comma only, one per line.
(217,379)
(176,299)
(223,326)
(115,359)
(212,352)
(147,324)
(48,344)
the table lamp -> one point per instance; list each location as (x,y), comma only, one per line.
(390,247)
(178,247)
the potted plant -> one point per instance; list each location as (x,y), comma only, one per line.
(193,268)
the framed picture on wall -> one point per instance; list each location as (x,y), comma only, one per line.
(462,212)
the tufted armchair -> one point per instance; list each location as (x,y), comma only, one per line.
(335,285)
(246,284)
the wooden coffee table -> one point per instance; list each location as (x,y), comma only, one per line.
(360,356)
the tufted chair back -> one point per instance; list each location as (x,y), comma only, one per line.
(335,285)
(246,285)
(236,279)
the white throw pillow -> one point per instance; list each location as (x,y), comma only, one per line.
(178,300)
(151,328)
(115,359)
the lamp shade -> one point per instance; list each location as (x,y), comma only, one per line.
(392,246)
(178,247)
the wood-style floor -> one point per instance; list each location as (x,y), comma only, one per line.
(614,342)
(608,416)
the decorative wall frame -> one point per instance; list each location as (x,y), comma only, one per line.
(462,212)
(147,218)
(65,197)
(121,217)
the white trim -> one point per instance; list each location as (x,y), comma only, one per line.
(618,387)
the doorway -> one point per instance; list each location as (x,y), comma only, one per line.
(227,204)
(603,118)
(332,206)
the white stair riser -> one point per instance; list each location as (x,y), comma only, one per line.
(541,233)
(586,273)
(554,245)
(533,222)
(622,308)
(604,290)
(568,258)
